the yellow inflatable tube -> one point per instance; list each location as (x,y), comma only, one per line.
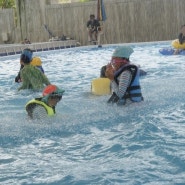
(101,86)
(177,45)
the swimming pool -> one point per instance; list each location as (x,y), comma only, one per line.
(90,142)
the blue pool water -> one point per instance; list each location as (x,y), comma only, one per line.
(89,142)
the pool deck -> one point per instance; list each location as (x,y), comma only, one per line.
(13,49)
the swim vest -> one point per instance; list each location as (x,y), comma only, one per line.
(37,102)
(133,91)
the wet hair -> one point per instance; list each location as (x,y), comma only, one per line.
(102,72)
(92,16)
(25,59)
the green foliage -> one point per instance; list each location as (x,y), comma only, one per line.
(7,4)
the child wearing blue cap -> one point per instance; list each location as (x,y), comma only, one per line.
(32,77)
(124,77)
(35,61)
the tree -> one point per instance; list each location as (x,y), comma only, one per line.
(7,4)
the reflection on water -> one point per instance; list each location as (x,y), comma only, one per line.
(90,142)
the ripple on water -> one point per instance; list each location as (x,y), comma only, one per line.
(89,142)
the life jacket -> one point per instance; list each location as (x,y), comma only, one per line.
(133,91)
(37,102)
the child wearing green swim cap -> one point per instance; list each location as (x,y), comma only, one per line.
(44,107)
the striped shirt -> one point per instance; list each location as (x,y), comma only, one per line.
(124,81)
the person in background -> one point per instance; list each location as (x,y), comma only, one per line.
(35,61)
(181,38)
(44,107)
(124,77)
(93,27)
(31,76)
(26,41)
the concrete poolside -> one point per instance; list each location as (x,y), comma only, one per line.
(13,49)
